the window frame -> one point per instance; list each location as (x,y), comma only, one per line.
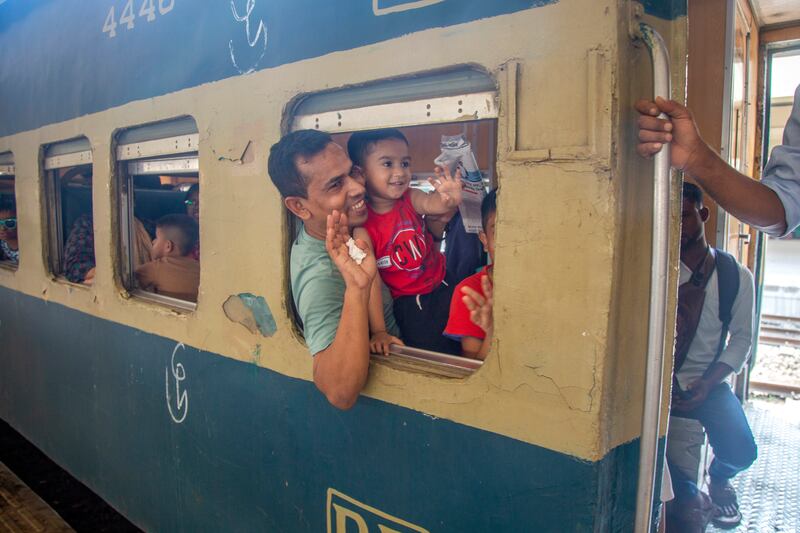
(175,151)
(8,168)
(51,164)
(429,107)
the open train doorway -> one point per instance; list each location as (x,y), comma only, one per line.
(776,357)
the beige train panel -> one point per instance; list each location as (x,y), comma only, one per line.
(553,377)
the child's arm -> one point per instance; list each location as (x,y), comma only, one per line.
(445,198)
(480,312)
(380,339)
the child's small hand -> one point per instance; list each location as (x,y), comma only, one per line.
(447,186)
(380,341)
(480,306)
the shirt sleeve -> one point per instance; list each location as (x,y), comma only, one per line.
(319,301)
(459,324)
(741,327)
(782,173)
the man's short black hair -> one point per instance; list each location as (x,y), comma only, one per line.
(359,144)
(488,207)
(185,238)
(693,192)
(282,166)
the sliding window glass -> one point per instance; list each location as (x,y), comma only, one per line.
(68,196)
(158,185)
(9,242)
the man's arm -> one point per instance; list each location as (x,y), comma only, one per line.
(745,198)
(340,370)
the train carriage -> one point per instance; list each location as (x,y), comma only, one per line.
(203,416)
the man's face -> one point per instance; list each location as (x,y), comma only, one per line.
(193,205)
(693,218)
(8,217)
(330,187)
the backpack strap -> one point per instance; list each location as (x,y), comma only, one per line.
(728,289)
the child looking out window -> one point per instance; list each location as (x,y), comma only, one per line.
(409,262)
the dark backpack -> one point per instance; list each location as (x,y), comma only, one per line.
(728,288)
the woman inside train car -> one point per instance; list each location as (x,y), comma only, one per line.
(9,245)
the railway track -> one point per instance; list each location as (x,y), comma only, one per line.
(780,330)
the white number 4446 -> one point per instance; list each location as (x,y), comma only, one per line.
(126,18)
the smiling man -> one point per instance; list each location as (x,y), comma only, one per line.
(330,290)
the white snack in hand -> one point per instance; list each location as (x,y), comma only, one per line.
(355,252)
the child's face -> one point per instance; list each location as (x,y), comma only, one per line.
(387,169)
(162,246)
(8,217)
(487,236)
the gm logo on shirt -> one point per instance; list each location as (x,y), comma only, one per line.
(346,515)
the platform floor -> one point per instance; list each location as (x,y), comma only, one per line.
(22,511)
(769,491)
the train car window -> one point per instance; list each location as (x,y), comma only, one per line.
(457,106)
(158,184)
(68,193)
(9,243)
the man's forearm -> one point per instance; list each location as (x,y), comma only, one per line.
(340,371)
(717,372)
(746,199)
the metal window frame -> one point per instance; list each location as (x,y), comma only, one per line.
(55,228)
(427,111)
(7,170)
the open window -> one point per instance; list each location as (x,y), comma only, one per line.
(68,196)
(9,243)
(158,184)
(425,109)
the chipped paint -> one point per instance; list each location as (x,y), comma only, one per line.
(252,312)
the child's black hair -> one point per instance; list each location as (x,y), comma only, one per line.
(281,164)
(186,226)
(693,192)
(488,207)
(360,142)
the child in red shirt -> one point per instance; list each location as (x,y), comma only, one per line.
(471,320)
(409,262)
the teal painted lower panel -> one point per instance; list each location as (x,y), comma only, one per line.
(200,442)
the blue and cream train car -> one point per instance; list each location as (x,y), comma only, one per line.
(202,416)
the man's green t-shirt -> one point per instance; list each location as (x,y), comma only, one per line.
(318,292)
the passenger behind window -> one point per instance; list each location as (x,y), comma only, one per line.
(9,246)
(173,271)
(471,319)
(192,202)
(409,262)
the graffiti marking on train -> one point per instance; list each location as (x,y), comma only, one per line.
(178,373)
(147,9)
(344,512)
(252,40)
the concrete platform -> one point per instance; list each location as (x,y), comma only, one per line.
(22,511)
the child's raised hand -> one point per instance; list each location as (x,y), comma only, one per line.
(480,306)
(336,236)
(447,186)
(380,341)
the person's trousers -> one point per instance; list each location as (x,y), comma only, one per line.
(728,433)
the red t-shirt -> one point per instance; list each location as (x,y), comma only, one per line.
(459,324)
(408,261)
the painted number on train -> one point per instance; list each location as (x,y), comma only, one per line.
(127,17)
(347,515)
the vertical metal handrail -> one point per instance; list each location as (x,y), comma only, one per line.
(659,264)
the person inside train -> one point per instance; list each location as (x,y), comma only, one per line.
(192,202)
(771,205)
(330,288)
(715,299)
(409,263)
(471,321)
(173,271)
(9,245)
